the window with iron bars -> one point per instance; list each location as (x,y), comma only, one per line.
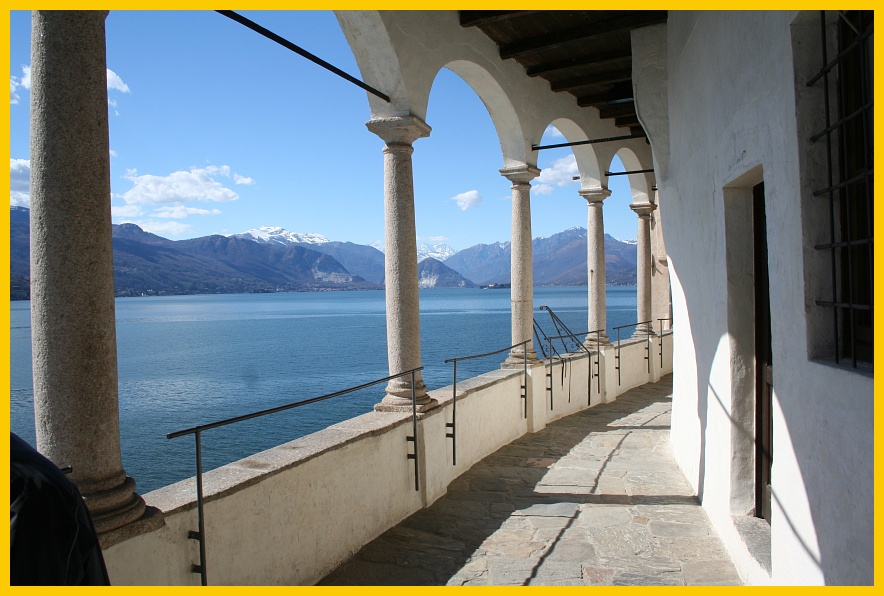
(846,77)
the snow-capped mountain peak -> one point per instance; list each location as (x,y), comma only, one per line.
(437,250)
(281,236)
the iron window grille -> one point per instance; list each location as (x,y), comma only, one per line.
(847,84)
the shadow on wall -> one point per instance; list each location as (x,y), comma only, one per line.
(842,560)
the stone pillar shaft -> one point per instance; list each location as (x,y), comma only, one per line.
(400,258)
(72,273)
(643,266)
(595,264)
(521,265)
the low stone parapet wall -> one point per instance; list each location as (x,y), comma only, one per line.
(292,514)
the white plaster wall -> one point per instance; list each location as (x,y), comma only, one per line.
(570,392)
(633,366)
(521,107)
(731,108)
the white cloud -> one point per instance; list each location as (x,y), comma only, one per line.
(113,153)
(561,172)
(180,211)
(170,228)
(20,182)
(179,187)
(118,211)
(15,83)
(542,189)
(552,131)
(237,179)
(432,238)
(115,82)
(468,199)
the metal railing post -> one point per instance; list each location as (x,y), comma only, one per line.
(549,375)
(648,347)
(200,534)
(617,356)
(452,425)
(598,363)
(413,439)
(525,379)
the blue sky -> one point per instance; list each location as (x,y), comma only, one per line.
(250,134)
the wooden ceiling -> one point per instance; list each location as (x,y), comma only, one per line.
(586,53)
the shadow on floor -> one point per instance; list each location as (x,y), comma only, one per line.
(513,517)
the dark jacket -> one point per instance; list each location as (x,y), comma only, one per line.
(51,537)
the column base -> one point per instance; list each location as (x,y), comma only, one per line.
(116,507)
(641,332)
(398,397)
(394,403)
(593,340)
(517,359)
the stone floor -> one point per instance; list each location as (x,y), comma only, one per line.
(593,499)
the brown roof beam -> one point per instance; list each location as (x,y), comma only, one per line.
(477,18)
(593,60)
(615,95)
(637,130)
(626,121)
(616,110)
(601,79)
(626,22)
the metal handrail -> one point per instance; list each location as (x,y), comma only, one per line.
(647,346)
(661,336)
(197,431)
(583,347)
(453,424)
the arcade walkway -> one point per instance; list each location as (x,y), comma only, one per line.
(593,499)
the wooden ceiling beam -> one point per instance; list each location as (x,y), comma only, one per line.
(601,79)
(614,95)
(626,121)
(625,22)
(616,110)
(590,60)
(477,18)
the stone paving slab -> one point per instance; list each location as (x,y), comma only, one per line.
(594,499)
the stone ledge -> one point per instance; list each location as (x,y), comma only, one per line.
(755,534)
(152,519)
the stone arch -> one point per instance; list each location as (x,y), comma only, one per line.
(591,174)
(500,108)
(377,60)
(640,184)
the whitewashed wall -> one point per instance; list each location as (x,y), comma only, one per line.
(730,87)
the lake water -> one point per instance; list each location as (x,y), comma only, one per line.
(188,360)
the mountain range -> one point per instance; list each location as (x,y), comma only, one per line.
(273,259)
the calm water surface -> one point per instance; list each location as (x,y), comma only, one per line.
(188,360)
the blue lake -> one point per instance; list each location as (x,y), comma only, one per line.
(188,360)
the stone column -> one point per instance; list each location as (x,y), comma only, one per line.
(72,272)
(643,266)
(521,265)
(595,264)
(400,259)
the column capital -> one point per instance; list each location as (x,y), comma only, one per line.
(643,209)
(521,174)
(399,130)
(594,195)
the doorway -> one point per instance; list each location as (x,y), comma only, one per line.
(763,359)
